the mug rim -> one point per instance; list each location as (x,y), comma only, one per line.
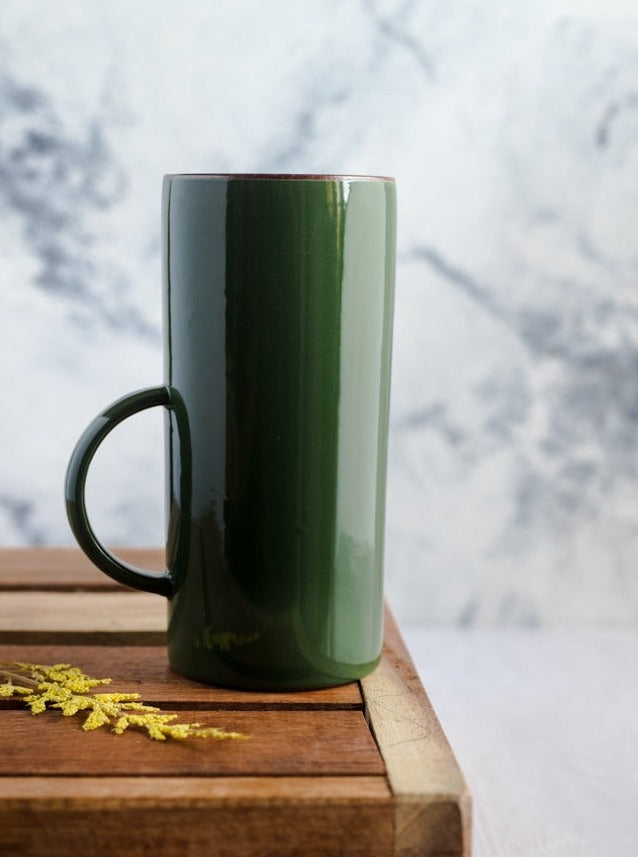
(325,177)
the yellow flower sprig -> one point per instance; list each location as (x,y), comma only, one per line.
(67,688)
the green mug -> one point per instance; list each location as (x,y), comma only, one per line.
(278,296)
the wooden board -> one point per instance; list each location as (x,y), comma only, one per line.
(360,769)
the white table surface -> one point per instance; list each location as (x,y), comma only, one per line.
(544,724)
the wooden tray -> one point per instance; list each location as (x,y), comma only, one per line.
(360,769)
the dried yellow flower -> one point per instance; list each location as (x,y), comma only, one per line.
(67,688)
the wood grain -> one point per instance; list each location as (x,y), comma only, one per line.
(75,617)
(62,569)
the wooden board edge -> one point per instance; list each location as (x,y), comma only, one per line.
(169,817)
(432,800)
(175,789)
(437,827)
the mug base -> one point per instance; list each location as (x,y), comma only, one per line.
(272,681)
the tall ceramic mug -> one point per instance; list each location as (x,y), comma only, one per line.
(278,303)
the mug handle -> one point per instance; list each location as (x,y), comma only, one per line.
(77,470)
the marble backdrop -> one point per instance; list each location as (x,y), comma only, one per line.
(512,129)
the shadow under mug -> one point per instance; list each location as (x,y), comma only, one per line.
(278,299)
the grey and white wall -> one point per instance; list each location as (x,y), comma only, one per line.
(512,130)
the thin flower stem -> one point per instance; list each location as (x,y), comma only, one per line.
(16,678)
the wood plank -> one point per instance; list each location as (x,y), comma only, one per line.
(230,817)
(51,569)
(116,617)
(433,807)
(145,670)
(281,743)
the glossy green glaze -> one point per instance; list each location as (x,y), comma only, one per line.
(278,305)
